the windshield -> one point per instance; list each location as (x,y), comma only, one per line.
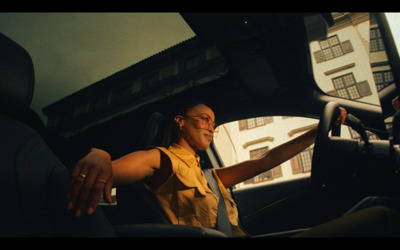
(352,62)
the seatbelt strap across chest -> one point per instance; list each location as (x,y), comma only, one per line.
(223,223)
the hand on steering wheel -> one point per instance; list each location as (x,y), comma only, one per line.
(331,119)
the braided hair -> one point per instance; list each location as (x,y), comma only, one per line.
(180,107)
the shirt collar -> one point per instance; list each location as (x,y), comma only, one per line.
(184,155)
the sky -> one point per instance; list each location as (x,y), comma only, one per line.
(394,23)
(73,50)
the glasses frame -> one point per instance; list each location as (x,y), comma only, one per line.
(203,117)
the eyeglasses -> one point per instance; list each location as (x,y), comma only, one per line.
(206,122)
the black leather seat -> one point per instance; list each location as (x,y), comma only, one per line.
(136,204)
(33,182)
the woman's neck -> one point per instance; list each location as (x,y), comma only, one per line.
(185,145)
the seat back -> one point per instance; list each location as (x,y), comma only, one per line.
(33,182)
(16,77)
(136,204)
(153,134)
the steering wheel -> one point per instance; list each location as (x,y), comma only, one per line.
(321,147)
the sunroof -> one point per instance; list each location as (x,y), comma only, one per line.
(73,50)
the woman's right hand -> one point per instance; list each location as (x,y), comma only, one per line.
(91,177)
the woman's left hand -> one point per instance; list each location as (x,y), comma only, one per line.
(342,117)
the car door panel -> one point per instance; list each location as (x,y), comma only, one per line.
(285,206)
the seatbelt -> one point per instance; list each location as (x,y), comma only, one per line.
(223,223)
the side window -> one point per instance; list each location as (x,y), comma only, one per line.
(268,175)
(248,139)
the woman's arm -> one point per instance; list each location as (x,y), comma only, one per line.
(135,166)
(240,172)
(96,173)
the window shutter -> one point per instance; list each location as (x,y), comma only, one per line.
(347,47)
(295,162)
(276,172)
(319,56)
(242,125)
(332,93)
(249,181)
(364,88)
(268,119)
(265,176)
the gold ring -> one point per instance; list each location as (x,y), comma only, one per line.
(82,175)
(102,181)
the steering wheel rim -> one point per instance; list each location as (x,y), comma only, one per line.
(327,123)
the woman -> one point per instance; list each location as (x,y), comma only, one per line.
(173,172)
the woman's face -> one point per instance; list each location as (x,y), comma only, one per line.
(196,127)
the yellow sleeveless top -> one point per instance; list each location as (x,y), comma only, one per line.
(186,197)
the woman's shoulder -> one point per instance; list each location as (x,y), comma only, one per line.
(160,149)
(165,170)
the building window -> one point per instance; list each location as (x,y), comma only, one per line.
(383,79)
(100,102)
(150,80)
(167,72)
(80,109)
(306,159)
(332,48)
(193,61)
(376,41)
(302,162)
(136,86)
(268,175)
(257,153)
(254,122)
(346,87)
(121,92)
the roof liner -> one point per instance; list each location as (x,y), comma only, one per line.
(268,52)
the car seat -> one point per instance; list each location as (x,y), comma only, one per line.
(136,204)
(33,181)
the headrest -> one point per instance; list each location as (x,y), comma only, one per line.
(16,77)
(154,132)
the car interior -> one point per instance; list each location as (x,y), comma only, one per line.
(269,74)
